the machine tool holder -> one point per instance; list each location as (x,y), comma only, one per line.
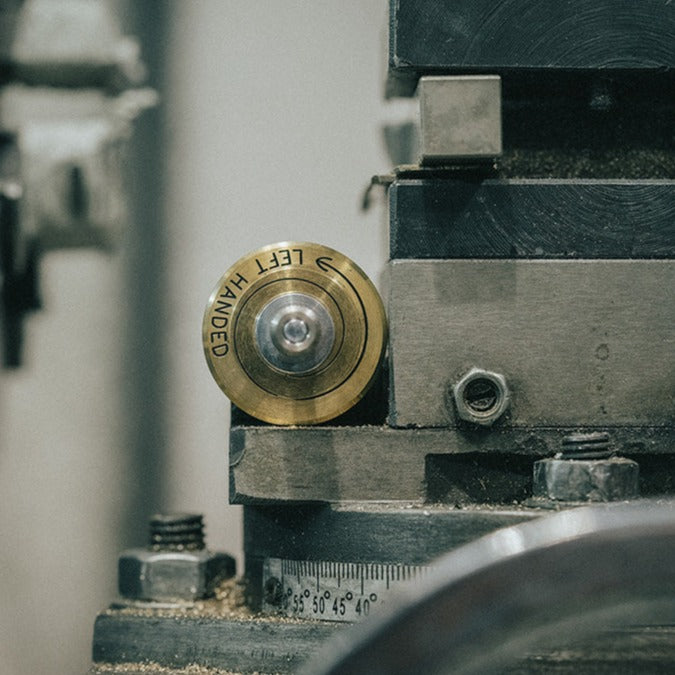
(530,369)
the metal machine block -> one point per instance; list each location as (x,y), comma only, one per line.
(460,118)
(530,218)
(332,464)
(382,532)
(531,338)
(581,343)
(170,643)
(570,563)
(545,37)
(211,637)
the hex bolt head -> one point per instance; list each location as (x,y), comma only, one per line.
(175,567)
(481,397)
(586,480)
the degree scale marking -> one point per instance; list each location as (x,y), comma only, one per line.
(334,591)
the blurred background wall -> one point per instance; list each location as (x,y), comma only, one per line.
(268,129)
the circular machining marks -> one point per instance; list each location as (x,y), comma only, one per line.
(294,333)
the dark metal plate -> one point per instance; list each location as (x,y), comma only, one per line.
(437,218)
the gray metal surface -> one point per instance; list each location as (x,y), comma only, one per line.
(581,343)
(367,532)
(461,217)
(380,463)
(178,640)
(538,36)
(562,558)
(370,547)
(498,598)
(460,118)
(124,643)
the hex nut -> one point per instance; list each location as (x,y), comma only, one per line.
(170,576)
(593,480)
(481,397)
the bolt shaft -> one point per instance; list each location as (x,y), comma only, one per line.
(592,445)
(176,532)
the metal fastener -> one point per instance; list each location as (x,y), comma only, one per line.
(176,566)
(586,470)
(481,397)
(593,445)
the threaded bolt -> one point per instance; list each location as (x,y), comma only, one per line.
(176,532)
(586,470)
(592,445)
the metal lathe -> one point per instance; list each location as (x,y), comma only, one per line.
(475,474)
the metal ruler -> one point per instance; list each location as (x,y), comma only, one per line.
(332,591)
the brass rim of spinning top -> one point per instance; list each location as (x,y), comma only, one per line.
(294,333)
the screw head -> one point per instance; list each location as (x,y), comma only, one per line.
(481,396)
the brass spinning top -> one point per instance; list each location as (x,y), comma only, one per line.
(294,333)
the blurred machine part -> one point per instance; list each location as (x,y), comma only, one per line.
(530,370)
(475,615)
(69,92)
